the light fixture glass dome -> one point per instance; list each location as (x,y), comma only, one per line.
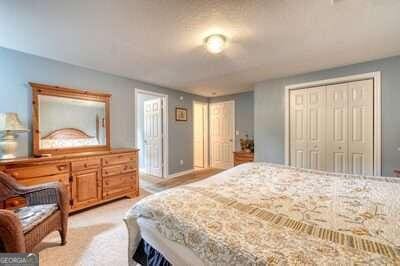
(215,43)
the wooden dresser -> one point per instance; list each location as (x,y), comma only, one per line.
(242,157)
(91,177)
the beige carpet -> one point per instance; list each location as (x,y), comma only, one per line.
(98,236)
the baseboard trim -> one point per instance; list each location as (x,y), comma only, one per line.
(181,173)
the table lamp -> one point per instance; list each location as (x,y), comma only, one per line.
(10,125)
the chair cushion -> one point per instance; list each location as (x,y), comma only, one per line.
(31,216)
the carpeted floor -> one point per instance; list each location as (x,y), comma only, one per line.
(98,236)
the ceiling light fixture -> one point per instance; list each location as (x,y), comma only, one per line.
(215,43)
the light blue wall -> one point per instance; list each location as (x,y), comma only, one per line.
(269,110)
(244,113)
(17,69)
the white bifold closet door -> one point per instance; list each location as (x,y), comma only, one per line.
(307,128)
(331,127)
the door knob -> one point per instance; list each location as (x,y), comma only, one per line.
(231,140)
(340,148)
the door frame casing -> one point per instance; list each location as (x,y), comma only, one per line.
(164,122)
(233,128)
(206,133)
(376,76)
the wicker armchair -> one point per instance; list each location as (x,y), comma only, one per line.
(46,211)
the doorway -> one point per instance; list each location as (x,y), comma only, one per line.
(222,134)
(152,132)
(200,135)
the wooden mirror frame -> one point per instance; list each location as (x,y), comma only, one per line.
(43,89)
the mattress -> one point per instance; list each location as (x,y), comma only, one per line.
(259,214)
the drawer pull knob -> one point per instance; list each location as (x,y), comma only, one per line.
(62,167)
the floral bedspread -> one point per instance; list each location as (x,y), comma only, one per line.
(263,214)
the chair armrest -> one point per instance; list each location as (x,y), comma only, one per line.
(48,193)
(11,234)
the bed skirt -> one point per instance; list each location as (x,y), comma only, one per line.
(146,255)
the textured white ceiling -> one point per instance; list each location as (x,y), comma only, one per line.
(161,42)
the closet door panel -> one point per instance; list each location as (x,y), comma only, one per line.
(337,126)
(298,129)
(316,125)
(360,94)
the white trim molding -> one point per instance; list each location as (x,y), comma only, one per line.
(376,76)
(165,124)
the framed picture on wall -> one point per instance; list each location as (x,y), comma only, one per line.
(180,114)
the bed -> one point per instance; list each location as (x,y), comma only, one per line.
(262,214)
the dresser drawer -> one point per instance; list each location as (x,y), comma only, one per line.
(38,170)
(119,169)
(119,159)
(80,165)
(119,191)
(111,183)
(62,178)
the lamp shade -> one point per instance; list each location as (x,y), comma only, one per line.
(11,123)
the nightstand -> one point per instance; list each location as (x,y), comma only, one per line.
(242,157)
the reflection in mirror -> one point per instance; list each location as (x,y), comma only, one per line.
(71,123)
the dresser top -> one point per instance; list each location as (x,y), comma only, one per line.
(66,156)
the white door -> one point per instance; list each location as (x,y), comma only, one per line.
(153,137)
(360,97)
(298,128)
(316,128)
(337,128)
(199,123)
(222,134)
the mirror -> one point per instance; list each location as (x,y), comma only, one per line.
(68,120)
(69,123)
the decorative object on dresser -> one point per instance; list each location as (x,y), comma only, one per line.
(91,178)
(396,172)
(246,144)
(242,157)
(46,210)
(10,125)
